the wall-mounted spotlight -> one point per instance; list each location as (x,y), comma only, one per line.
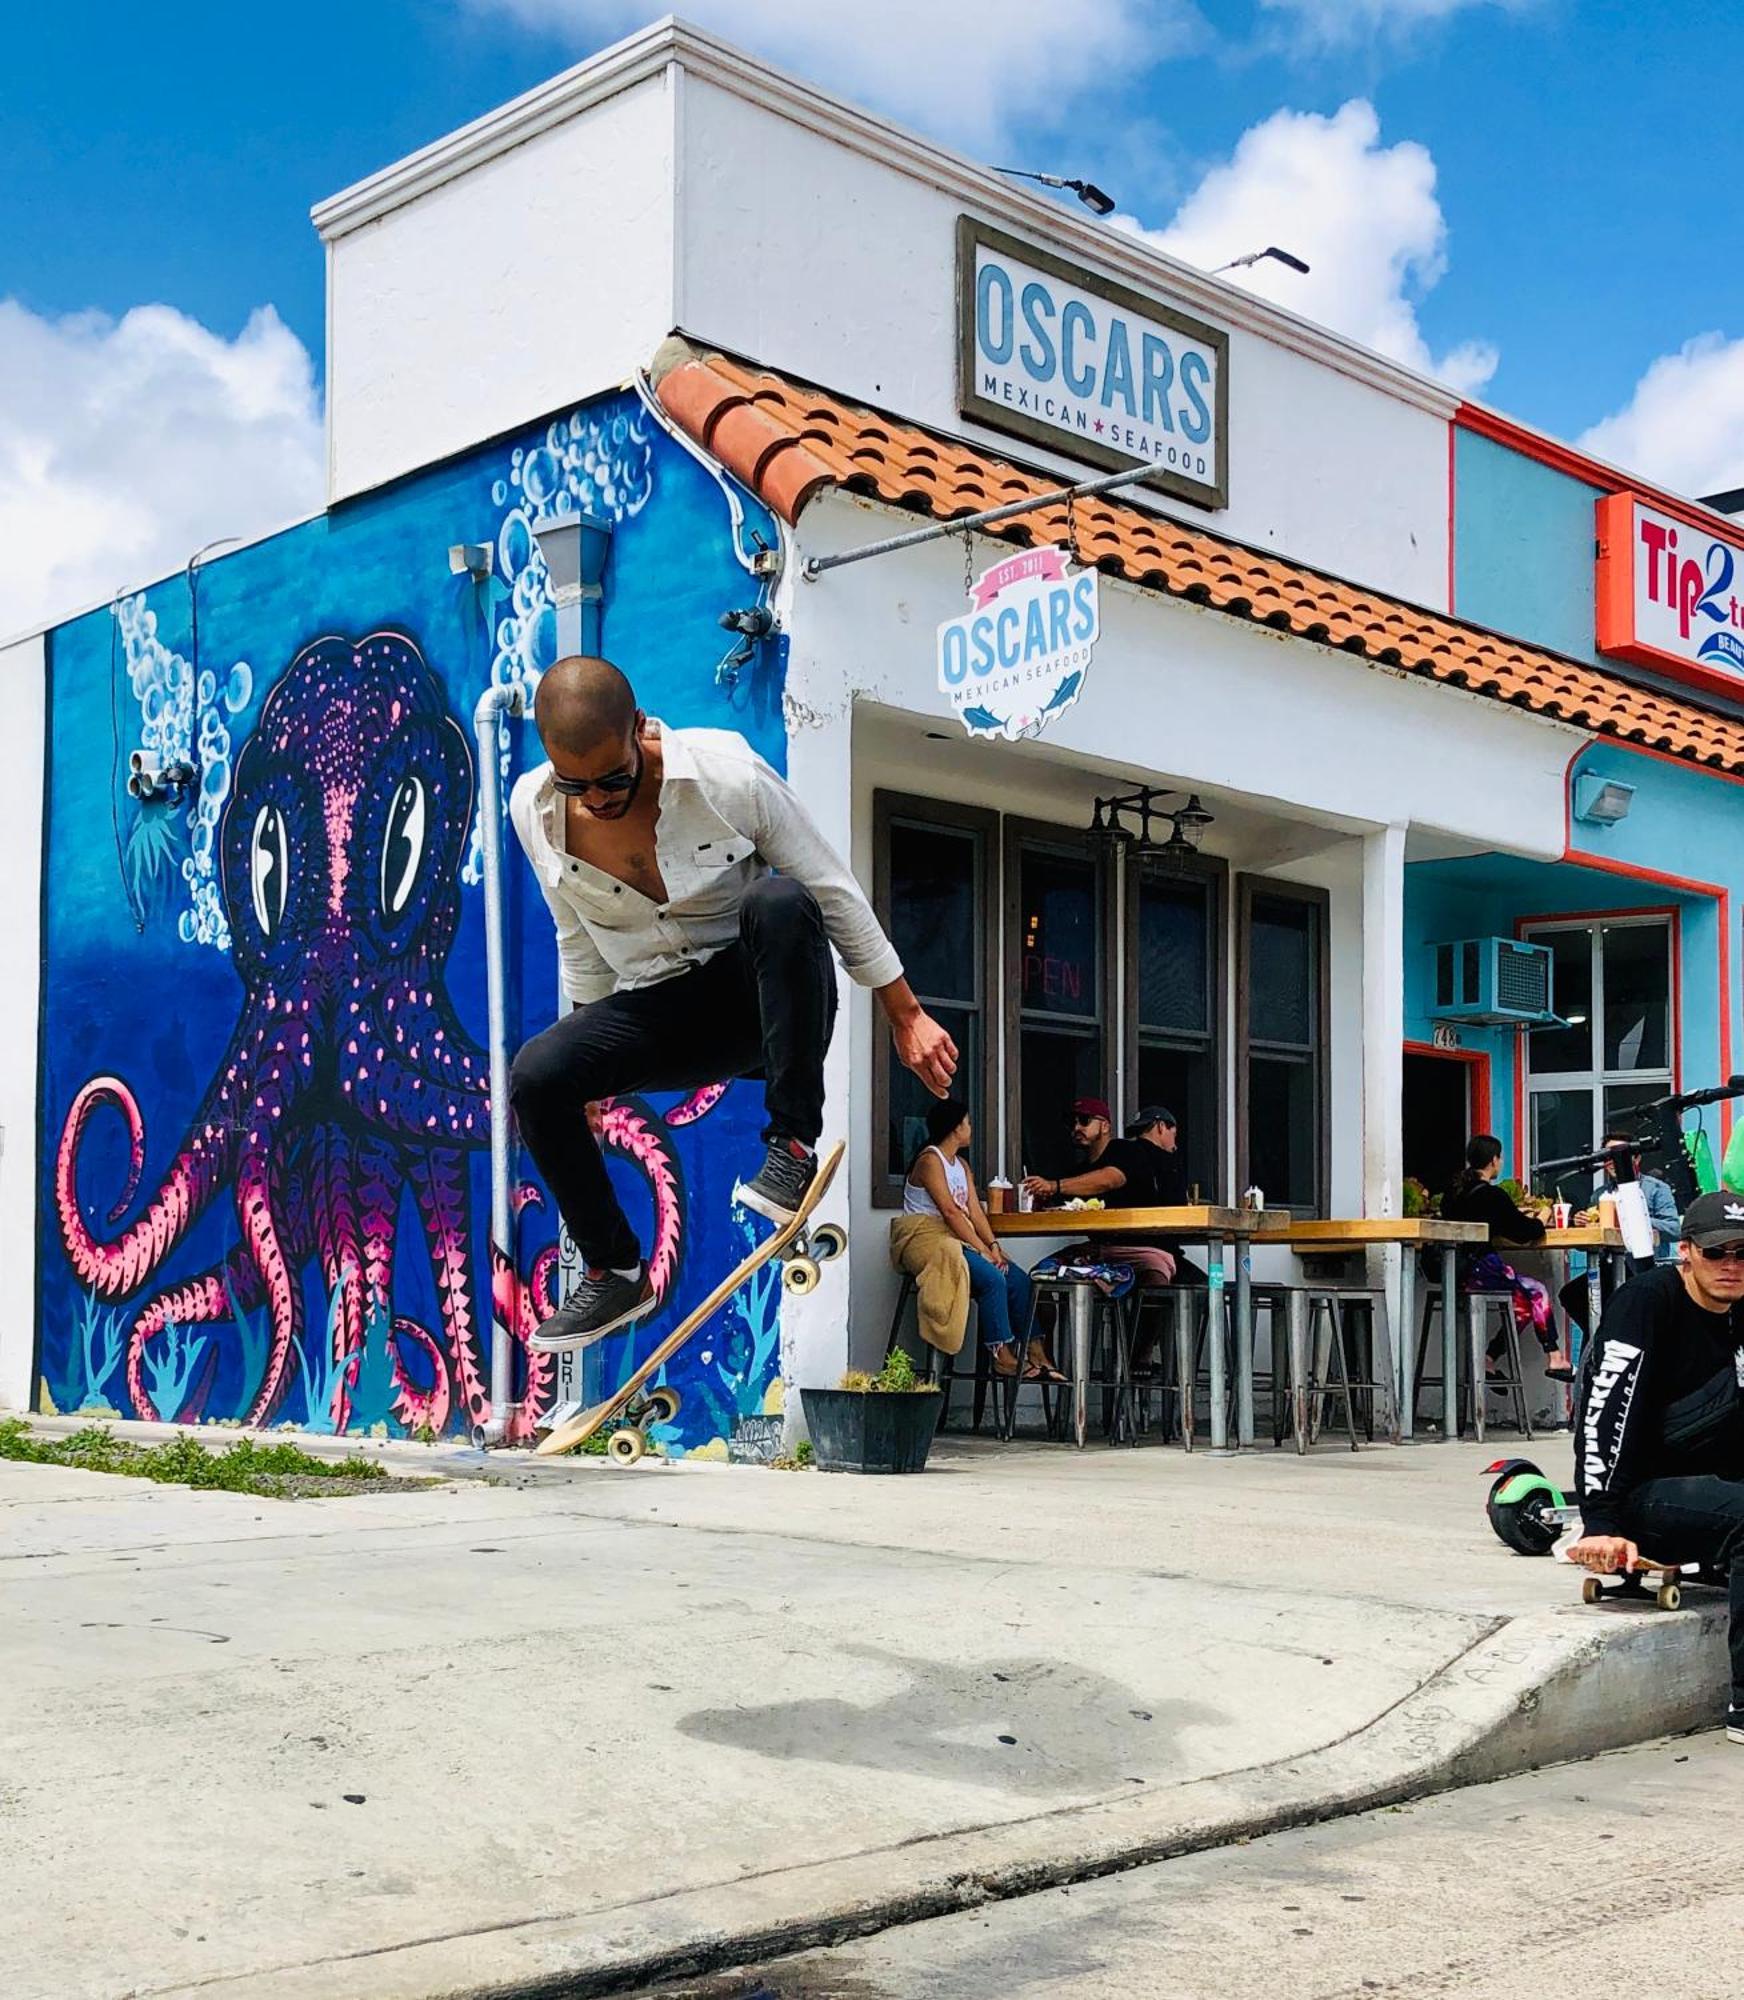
(149,782)
(473,559)
(1601,801)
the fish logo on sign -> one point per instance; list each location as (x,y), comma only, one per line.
(1016,659)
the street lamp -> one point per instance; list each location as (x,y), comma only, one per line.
(1087,192)
(1284,257)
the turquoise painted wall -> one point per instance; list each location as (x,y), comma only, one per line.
(1522,547)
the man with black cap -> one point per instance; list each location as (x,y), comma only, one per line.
(1659,1452)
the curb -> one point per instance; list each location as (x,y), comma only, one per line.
(1545,1688)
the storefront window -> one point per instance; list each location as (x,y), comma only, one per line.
(1281,1010)
(933,895)
(1176,1050)
(1612,985)
(1060,928)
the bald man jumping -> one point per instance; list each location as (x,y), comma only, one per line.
(687,959)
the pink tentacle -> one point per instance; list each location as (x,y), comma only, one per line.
(340,1244)
(417,1408)
(697,1105)
(259,1205)
(542,1284)
(626,1128)
(115,1269)
(439,1180)
(194,1302)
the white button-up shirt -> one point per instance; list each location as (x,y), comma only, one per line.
(725,820)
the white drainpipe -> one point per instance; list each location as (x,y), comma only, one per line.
(494,703)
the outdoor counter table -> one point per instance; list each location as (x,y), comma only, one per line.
(1196,1223)
(1413,1232)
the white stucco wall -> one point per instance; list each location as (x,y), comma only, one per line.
(848,279)
(534,279)
(22,676)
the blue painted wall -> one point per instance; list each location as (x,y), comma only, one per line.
(1523,547)
(1682,823)
(263,1099)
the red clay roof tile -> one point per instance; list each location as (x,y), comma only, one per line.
(787,441)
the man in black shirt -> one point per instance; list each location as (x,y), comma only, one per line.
(1659,1452)
(1112,1167)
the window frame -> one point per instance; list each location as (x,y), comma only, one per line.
(1596,1079)
(1213,871)
(888,809)
(1017,835)
(1319,901)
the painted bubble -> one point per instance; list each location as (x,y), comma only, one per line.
(239,687)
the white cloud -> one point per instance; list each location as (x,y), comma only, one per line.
(1364,217)
(1342,21)
(1684,425)
(127,444)
(971,71)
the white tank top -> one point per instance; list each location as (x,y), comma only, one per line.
(916,1200)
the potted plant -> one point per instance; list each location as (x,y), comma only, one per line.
(873,1423)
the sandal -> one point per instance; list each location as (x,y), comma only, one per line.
(1002,1361)
(1558,1367)
(1038,1368)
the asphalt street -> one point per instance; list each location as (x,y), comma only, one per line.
(1614,1876)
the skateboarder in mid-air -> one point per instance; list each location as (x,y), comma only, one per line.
(688,961)
(1659,1443)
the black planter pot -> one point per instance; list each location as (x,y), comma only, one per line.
(875,1430)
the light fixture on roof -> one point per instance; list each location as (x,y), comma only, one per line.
(1285,257)
(1093,197)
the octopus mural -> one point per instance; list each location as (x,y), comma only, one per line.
(349,1077)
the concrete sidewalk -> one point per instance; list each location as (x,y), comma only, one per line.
(568,1734)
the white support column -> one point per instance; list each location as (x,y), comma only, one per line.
(1383,1019)
(23,670)
(1383,1070)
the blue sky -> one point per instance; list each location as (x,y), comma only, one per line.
(1530,196)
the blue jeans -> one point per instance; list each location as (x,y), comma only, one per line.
(1003,1297)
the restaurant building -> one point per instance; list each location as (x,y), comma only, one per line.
(1440,725)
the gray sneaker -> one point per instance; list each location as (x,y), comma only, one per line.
(1735,1725)
(782,1182)
(602,1303)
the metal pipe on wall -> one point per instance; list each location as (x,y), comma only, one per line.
(493,704)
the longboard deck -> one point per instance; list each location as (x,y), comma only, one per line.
(580,1428)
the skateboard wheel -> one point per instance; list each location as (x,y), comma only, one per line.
(1668,1597)
(1591,1590)
(625,1447)
(800,1276)
(828,1241)
(662,1407)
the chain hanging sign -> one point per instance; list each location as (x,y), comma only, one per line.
(1016,659)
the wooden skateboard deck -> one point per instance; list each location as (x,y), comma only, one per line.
(578,1429)
(1666,1592)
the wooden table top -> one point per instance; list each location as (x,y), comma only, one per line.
(1195,1220)
(1581,1236)
(1307,1235)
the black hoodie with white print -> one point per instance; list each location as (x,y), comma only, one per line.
(1661,1396)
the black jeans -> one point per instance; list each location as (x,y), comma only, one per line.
(763,1007)
(1699,1519)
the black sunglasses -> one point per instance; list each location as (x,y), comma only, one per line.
(613,785)
(1722,1253)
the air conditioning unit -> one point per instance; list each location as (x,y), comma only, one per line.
(1492,982)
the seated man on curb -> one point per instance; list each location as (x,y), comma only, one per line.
(688,959)
(1659,1452)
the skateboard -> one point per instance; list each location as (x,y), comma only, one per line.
(1667,1593)
(801,1248)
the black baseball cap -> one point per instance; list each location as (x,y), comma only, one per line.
(1712,1219)
(1147,1116)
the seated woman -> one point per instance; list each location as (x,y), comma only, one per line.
(940,1191)
(1475,1197)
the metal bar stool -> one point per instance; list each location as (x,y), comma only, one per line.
(1319,1367)
(1109,1336)
(945,1369)
(1378,1381)
(1511,1379)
